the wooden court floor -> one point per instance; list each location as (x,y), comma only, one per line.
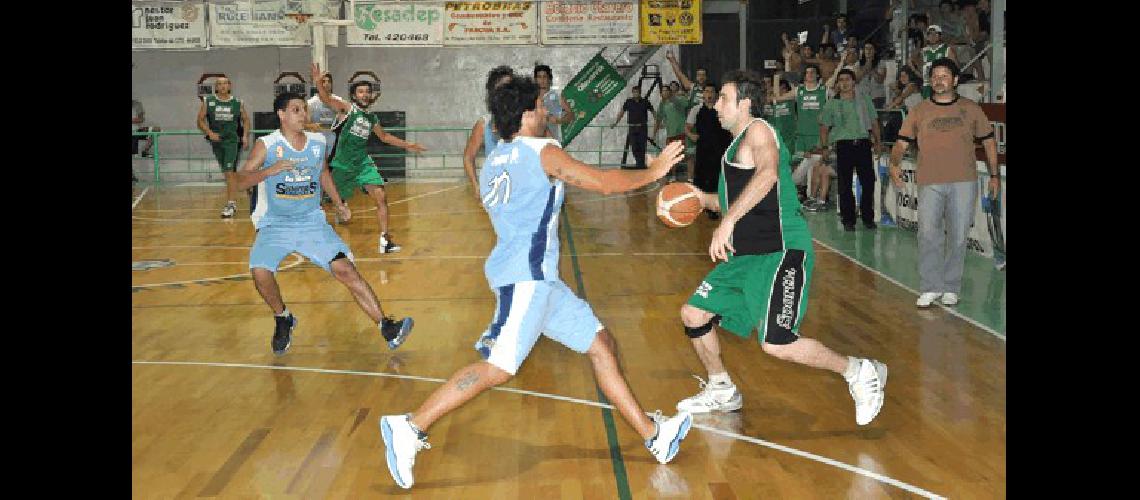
(215,414)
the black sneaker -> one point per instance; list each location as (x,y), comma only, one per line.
(283,334)
(849,227)
(870,225)
(398,330)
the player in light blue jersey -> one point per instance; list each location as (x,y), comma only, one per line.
(483,133)
(287,167)
(522,187)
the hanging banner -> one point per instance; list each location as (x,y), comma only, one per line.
(671,21)
(406,24)
(251,23)
(900,208)
(588,22)
(490,23)
(168,25)
(588,92)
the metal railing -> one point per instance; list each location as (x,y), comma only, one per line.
(201,152)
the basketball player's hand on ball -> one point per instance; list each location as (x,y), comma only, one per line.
(720,245)
(671,155)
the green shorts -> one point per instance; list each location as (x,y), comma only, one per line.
(767,292)
(805,143)
(350,178)
(227,155)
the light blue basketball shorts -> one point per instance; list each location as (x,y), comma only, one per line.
(528,309)
(315,241)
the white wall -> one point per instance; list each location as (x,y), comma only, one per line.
(434,86)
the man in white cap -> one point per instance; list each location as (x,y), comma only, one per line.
(934,50)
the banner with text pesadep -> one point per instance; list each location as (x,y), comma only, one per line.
(406,24)
(588,22)
(251,23)
(490,23)
(671,21)
(168,25)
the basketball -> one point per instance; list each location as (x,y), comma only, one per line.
(678,204)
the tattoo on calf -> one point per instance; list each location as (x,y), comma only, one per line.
(467,381)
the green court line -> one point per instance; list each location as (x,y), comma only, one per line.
(607,415)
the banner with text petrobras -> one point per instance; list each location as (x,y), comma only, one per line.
(249,23)
(490,23)
(588,22)
(168,25)
(407,24)
(671,21)
(588,92)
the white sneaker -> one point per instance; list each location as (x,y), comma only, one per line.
(868,390)
(402,444)
(927,298)
(949,299)
(387,245)
(228,210)
(712,397)
(670,433)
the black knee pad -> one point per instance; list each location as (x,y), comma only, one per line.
(700,331)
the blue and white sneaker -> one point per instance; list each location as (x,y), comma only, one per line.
(401,443)
(401,329)
(670,433)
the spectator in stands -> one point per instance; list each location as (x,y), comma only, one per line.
(837,36)
(849,122)
(906,90)
(704,129)
(672,113)
(828,59)
(935,49)
(793,61)
(638,132)
(870,74)
(916,38)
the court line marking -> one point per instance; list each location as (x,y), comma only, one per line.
(768,444)
(969,320)
(631,194)
(298,261)
(137,200)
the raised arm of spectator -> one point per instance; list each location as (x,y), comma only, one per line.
(686,83)
(327,98)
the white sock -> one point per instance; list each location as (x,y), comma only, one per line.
(852,368)
(720,379)
(284,314)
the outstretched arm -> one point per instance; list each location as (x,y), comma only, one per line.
(559,164)
(396,141)
(686,83)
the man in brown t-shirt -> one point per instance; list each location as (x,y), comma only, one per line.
(945,129)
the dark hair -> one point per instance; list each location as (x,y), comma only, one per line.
(863,57)
(328,75)
(710,83)
(509,102)
(947,63)
(842,15)
(818,72)
(826,45)
(543,67)
(914,78)
(493,77)
(784,83)
(282,101)
(748,86)
(845,71)
(352,87)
